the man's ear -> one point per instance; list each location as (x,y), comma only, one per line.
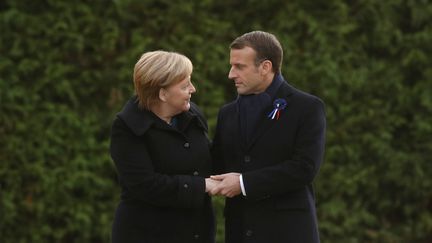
(163,94)
(267,67)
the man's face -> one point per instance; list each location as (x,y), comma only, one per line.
(246,76)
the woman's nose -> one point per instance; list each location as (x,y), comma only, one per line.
(192,90)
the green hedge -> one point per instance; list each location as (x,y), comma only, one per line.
(66,69)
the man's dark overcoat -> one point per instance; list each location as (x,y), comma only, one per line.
(278,166)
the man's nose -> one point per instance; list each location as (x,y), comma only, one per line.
(232,74)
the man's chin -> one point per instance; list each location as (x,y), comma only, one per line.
(243,93)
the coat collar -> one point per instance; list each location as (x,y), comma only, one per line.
(284,91)
(140,120)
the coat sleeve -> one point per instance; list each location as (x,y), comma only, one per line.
(139,179)
(301,168)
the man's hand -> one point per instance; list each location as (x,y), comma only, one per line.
(229,185)
(210,184)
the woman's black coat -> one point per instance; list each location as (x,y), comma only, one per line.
(162,172)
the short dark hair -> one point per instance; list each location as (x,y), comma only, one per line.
(266,46)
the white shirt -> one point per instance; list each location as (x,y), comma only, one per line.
(242,185)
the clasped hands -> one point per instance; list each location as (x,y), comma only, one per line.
(227,185)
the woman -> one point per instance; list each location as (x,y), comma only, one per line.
(161,152)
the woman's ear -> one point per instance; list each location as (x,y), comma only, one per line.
(163,94)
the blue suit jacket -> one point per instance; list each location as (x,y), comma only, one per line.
(278,165)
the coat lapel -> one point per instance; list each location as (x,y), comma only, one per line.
(265,123)
(237,122)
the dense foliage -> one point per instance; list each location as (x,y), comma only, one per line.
(66,69)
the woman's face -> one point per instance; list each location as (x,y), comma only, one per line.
(177,96)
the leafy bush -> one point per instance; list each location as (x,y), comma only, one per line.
(66,69)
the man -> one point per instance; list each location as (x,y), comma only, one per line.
(271,141)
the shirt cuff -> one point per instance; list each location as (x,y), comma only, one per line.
(242,185)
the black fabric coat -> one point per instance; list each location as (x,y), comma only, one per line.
(278,166)
(161,171)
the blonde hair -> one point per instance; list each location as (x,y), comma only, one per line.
(156,70)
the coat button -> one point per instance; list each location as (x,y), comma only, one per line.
(186,145)
(186,186)
(195,173)
(249,233)
(247,159)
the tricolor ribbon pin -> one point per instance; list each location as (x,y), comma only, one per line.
(278,104)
